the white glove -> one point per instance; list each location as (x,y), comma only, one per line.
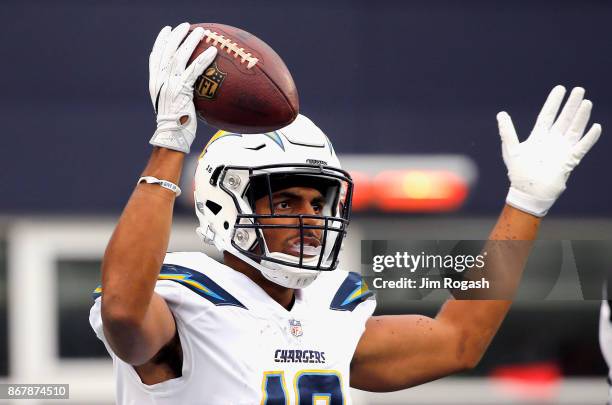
(171,85)
(539,167)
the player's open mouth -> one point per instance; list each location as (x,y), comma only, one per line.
(312,247)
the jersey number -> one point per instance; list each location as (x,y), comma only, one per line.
(312,387)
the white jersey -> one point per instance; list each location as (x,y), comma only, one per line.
(242,347)
(605,340)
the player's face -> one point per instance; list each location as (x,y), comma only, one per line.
(292,201)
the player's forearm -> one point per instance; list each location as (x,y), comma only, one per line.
(135,253)
(477,321)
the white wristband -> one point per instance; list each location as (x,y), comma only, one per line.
(164,183)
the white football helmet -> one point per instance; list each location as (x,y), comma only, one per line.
(235,170)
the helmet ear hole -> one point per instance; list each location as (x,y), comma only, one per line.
(213,207)
(226,225)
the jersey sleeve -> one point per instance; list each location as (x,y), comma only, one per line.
(168,290)
(174,284)
(345,298)
(353,303)
(353,293)
(128,382)
(171,286)
(354,297)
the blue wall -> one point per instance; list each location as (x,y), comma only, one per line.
(378,77)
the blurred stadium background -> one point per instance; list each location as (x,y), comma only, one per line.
(407,91)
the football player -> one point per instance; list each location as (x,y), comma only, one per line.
(277,323)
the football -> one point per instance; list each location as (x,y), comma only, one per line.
(248,88)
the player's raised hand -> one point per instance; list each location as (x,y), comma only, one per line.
(171,85)
(538,168)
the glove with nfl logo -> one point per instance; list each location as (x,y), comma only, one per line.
(171,85)
(538,168)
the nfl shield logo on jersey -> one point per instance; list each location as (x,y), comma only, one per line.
(296,327)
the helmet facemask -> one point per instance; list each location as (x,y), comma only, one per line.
(316,239)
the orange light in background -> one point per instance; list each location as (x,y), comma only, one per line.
(419,191)
(407,190)
(362,191)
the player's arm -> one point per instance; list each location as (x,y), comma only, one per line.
(397,352)
(137,322)
(401,351)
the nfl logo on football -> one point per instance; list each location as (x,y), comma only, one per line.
(296,327)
